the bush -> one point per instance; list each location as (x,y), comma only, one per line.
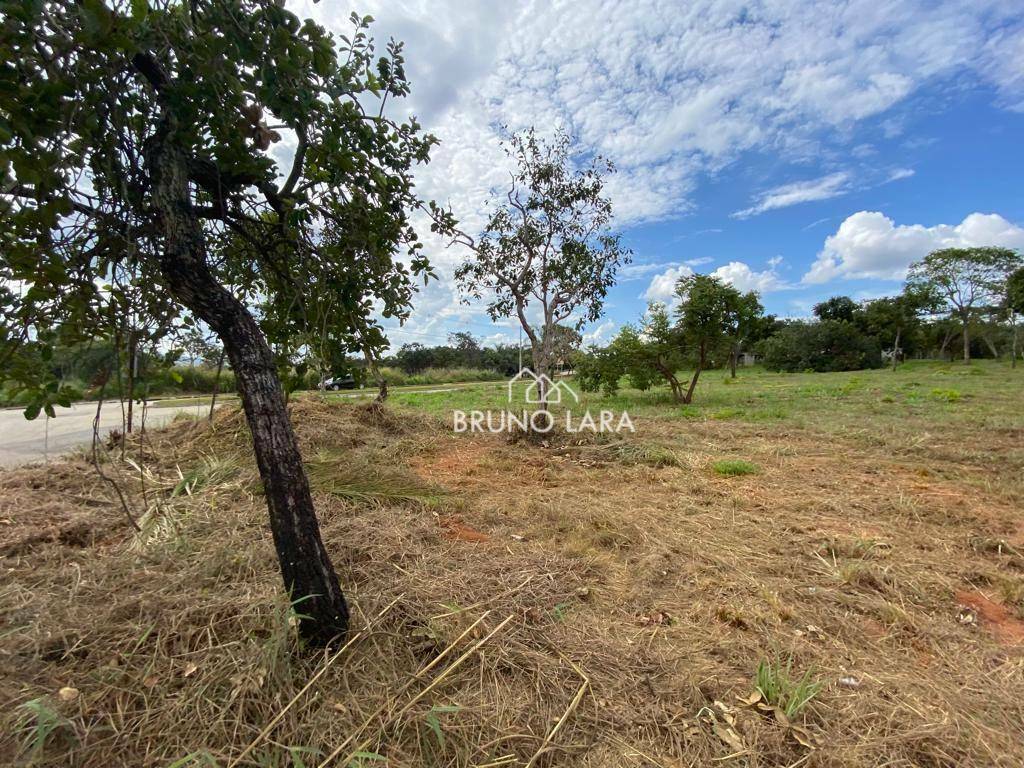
(828,345)
(395,377)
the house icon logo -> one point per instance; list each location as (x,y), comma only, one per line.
(537,385)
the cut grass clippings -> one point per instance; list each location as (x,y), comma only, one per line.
(517,605)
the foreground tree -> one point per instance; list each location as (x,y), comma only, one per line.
(547,255)
(967,279)
(707,309)
(144,128)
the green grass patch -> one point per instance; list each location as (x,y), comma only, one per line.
(735,467)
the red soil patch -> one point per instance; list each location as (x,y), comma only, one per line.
(455,529)
(1006,628)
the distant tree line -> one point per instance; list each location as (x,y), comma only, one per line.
(970,295)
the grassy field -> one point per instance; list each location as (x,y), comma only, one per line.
(796,570)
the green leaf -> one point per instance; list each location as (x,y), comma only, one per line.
(140,9)
(32,411)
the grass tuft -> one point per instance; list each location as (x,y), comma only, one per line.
(735,467)
(780,689)
(648,454)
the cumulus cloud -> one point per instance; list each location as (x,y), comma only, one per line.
(741,277)
(671,94)
(600,334)
(663,286)
(869,244)
(826,187)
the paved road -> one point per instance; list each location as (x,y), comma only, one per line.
(23,441)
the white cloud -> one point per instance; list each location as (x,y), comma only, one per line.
(899,173)
(741,277)
(869,244)
(826,187)
(637,271)
(698,261)
(600,334)
(663,286)
(672,94)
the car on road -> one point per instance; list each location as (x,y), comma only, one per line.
(340,382)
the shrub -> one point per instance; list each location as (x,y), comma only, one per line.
(397,378)
(828,345)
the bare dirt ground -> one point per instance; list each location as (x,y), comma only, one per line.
(595,604)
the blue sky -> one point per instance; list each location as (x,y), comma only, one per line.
(803,149)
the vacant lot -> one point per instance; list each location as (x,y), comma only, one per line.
(596,601)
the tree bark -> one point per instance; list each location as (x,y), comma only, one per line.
(944,349)
(896,348)
(733,359)
(967,343)
(306,568)
(1013,322)
(688,398)
(990,345)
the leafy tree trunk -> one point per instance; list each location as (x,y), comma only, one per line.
(967,341)
(374,370)
(896,348)
(944,349)
(990,345)
(688,397)
(306,568)
(673,382)
(1013,322)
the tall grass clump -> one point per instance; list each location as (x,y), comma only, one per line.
(780,689)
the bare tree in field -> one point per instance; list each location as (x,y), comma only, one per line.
(547,255)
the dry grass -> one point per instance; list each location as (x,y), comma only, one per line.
(614,610)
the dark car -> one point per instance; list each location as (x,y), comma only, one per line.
(340,382)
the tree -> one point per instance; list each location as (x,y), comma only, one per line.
(136,135)
(968,279)
(706,311)
(826,345)
(746,323)
(1015,304)
(653,351)
(565,343)
(548,245)
(837,308)
(892,319)
(467,347)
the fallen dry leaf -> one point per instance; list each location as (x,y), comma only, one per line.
(67,693)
